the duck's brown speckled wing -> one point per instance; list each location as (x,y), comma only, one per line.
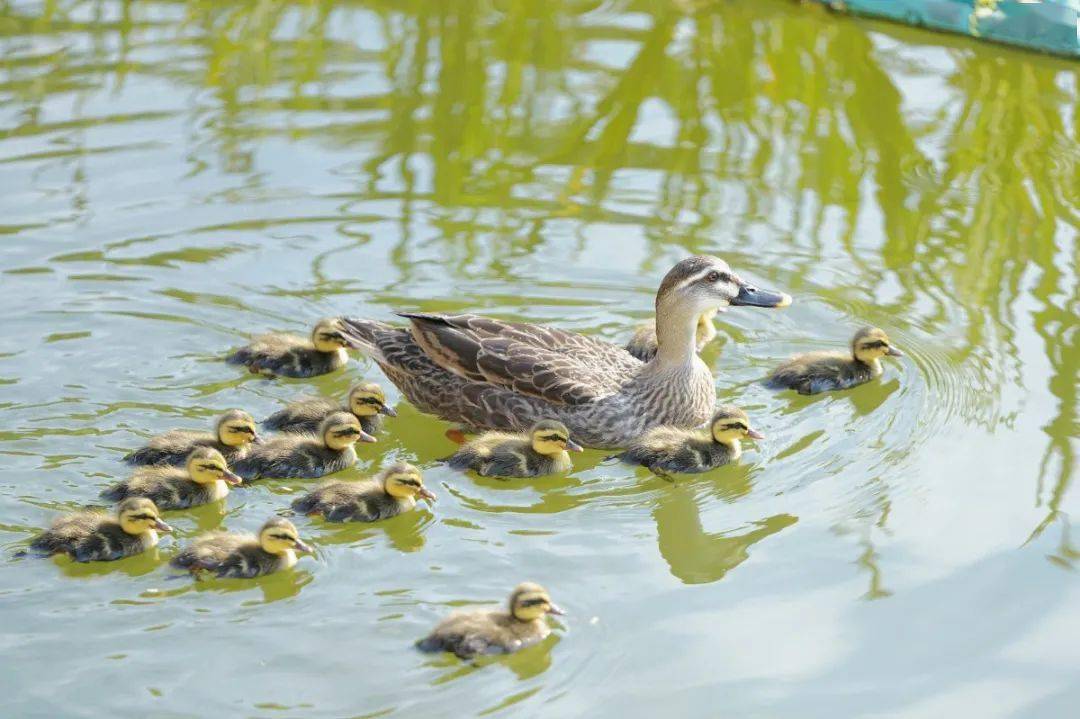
(559,367)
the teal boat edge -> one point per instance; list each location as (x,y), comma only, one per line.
(1051,26)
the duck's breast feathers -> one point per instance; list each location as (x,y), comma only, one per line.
(557,366)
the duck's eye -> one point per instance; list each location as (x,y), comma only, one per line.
(713,276)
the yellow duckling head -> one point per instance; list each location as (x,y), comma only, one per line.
(236,428)
(367,399)
(730,424)
(402,480)
(328,337)
(279,536)
(552,437)
(205,465)
(139,515)
(341,430)
(530,601)
(870,344)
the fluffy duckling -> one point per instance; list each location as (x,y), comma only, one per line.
(392,492)
(670,449)
(643,344)
(468,634)
(244,556)
(286,355)
(541,451)
(234,433)
(205,478)
(97,537)
(366,400)
(306,455)
(824,371)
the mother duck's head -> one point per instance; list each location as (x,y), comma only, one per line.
(703,282)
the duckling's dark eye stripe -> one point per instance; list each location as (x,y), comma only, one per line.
(209,466)
(734,425)
(283,536)
(143,516)
(871,345)
(533,602)
(553,438)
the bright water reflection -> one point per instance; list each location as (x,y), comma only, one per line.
(178,174)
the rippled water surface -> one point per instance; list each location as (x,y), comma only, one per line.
(179,175)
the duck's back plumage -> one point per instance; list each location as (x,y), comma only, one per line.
(90,537)
(306,414)
(173,448)
(470,634)
(820,372)
(167,487)
(365,501)
(490,374)
(502,454)
(293,456)
(230,555)
(287,356)
(670,449)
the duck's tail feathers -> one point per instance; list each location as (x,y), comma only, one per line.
(364,334)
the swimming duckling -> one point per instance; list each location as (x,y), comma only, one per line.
(234,433)
(389,494)
(670,449)
(366,401)
(468,634)
(244,556)
(501,454)
(306,455)
(206,478)
(288,355)
(96,537)
(824,371)
(643,344)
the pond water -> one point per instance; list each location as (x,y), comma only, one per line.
(178,176)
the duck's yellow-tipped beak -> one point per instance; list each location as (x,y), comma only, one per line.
(750,296)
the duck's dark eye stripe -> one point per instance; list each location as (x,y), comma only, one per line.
(735,425)
(533,602)
(209,466)
(553,438)
(872,345)
(283,536)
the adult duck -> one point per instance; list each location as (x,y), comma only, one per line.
(487,373)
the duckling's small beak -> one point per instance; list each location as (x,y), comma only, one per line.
(301,546)
(893,352)
(754,434)
(750,296)
(365,437)
(574,446)
(161,526)
(427,495)
(256,438)
(387,410)
(555,609)
(231,477)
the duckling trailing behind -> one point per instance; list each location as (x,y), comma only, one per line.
(206,478)
(392,492)
(244,556)
(306,455)
(670,449)
(825,371)
(286,355)
(234,433)
(468,634)
(96,537)
(541,451)
(366,401)
(643,344)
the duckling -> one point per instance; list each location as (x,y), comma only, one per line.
(366,401)
(643,344)
(468,634)
(97,537)
(205,478)
(288,355)
(389,494)
(306,455)
(825,371)
(541,451)
(244,556)
(234,433)
(670,449)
